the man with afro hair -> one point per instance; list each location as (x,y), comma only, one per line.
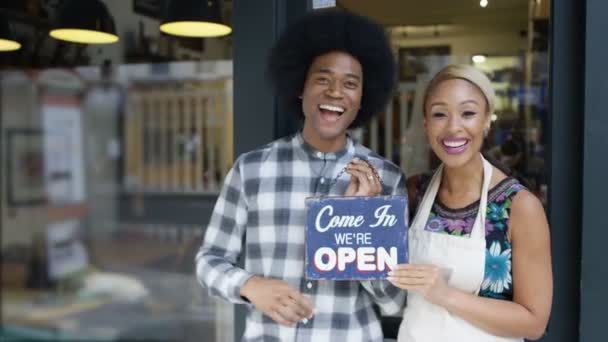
(334,70)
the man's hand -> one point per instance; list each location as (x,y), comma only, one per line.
(278,300)
(363,179)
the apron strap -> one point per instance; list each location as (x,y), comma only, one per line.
(479,227)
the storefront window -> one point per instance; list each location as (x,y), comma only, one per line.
(112,158)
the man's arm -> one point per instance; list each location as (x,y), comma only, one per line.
(216,259)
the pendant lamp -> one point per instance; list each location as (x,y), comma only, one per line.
(85,21)
(7,39)
(194,18)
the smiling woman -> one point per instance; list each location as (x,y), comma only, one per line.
(470,247)
(458,114)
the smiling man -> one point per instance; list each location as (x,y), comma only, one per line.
(335,70)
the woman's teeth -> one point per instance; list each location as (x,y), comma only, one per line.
(454,143)
(455,146)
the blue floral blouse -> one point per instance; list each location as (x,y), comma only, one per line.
(498,279)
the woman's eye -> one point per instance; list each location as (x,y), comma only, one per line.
(468,113)
(438,115)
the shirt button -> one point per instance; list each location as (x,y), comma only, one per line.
(309,285)
(322,180)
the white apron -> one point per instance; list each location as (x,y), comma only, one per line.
(461,260)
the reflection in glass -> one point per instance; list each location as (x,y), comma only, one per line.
(111,176)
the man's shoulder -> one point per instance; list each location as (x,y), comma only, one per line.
(264,152)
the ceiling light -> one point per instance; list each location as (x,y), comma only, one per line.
(483,3)
(7,39)
(194,18)
(85,21)
(9,45)
(479,59)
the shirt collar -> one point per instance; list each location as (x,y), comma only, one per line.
(313,153)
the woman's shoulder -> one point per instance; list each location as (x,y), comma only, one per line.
(527,220)
(525,204)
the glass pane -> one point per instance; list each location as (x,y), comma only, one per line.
(112,158)
(507,40)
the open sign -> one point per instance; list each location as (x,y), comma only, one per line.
(355,237)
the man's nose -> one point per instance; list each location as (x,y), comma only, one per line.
(334,89)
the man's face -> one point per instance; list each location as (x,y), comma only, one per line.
(331,99)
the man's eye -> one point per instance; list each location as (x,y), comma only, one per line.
(469,113)
(351,85)
(438,115)
(322,80)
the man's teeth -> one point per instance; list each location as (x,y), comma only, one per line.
(332,108)
(454,143)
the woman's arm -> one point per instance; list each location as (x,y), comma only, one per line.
(528,313)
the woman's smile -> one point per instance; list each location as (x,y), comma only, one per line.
(455,145)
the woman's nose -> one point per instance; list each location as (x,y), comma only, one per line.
(454,123)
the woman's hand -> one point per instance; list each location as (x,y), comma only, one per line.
(424,279)
(363,179)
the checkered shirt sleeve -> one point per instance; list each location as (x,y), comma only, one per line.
(216,259)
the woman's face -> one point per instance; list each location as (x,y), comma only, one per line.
(456,116)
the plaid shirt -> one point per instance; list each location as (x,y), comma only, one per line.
(263,201)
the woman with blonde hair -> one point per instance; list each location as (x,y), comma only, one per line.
(480,262)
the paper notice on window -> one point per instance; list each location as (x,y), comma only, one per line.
(316,4)
(66,252)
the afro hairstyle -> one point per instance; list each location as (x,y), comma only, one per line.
(321,32)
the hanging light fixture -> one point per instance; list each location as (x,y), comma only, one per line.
(194,18)
(85,21)
(478,58)
(7,40)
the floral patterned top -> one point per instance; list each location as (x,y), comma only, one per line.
(498,277)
